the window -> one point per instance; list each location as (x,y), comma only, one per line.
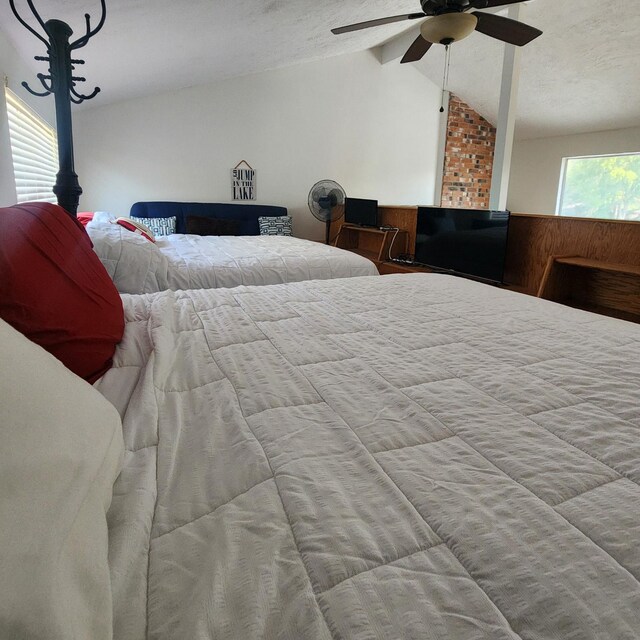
(601,187)
(34,148)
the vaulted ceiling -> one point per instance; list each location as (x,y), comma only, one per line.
(581,75)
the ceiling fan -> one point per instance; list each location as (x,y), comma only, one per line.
(448,21)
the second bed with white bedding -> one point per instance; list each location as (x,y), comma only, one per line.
(182,261)
(414,456)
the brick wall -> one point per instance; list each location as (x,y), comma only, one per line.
(468,160)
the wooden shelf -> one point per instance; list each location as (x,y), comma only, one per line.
(608,311)
(593,285)
(359,229)
(371,242)
(587,263)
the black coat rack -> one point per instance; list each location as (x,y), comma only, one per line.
(61,81)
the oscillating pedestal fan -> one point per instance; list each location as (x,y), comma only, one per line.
(326,202)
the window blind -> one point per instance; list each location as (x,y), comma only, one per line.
(34,148)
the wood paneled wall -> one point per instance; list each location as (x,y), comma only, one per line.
(534,238)
(403,217)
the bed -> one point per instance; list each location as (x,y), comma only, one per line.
(410,456)
(186,261)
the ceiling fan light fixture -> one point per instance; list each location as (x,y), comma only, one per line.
(448,27)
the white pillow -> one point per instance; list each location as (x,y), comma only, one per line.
(102,217)
(61,452)
(134,264)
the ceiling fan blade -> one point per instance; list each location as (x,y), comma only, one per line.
(498,3)
(415,52)
(377,23)
(505,29)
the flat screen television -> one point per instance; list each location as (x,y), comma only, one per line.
(463,241)
(361,211)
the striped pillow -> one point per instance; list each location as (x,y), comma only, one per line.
(275,226)
(159,226)
(137,227)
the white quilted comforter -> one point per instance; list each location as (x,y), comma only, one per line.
(205,262)
(410,456)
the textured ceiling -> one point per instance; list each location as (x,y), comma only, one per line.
(148,46)
(583,74)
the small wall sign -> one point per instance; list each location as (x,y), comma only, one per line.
(243,181)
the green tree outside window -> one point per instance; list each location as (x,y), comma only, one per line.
(602,187)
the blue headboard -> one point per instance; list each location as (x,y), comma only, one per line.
(247,214)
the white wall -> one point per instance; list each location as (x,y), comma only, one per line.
(536,165)
(16,70)
(372,128)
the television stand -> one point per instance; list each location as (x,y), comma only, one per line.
(371,242)
(393,266)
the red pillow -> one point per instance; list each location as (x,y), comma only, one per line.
(54,289)
(85,218)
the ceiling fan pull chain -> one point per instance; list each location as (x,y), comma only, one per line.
(445,76)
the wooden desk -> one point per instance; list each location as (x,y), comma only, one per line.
(593,285)
(371,242)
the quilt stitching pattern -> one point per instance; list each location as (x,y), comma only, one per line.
(377,464)
(620,474)
(209,513)
(153,518)
(149,446)
(380,566)
(444,539)
(554,505)
(295,541)
(273,476)
(182,262)
(578,402)
(580,495)
(461,437)
(567,441)
(253,260)
(328,467)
